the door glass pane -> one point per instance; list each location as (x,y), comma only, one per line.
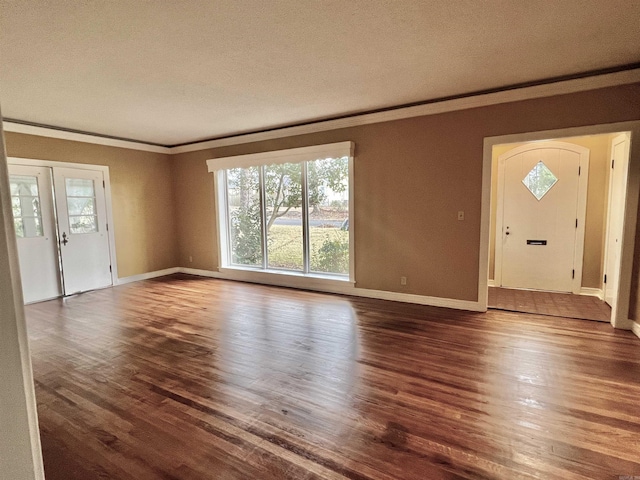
(80,187)
(25,205)
(80,206)
(328,189)
(15,206)
(82,224)
(81,202)
(539,180)
(24,185)
(17,222)
(283,189)
(245,219)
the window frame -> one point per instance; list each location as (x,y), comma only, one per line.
(219,167)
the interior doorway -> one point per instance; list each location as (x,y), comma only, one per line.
(596,224)
(61,217)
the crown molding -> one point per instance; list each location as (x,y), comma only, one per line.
(42,131)
(560,87)
(481,100)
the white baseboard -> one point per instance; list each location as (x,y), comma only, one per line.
(635,328)
(491,282)
(200,273)
(334,286)
(316,284)
(592,292)
(418,299)
(148,275)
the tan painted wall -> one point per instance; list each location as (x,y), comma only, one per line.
(411,178)
(596,224)
(142,196)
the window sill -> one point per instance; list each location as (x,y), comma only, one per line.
(283,278)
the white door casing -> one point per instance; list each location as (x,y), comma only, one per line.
(82,227)
(36,232)
(540,241)
(615,215)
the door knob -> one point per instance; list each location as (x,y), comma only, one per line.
(64,238)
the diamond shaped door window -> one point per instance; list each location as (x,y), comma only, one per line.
(539,180)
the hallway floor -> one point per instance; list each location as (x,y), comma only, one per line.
(549,303)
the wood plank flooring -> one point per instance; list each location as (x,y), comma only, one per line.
(192,378)
(549,303)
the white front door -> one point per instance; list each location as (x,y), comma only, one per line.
(33,217)
(82,227)
(539,206)
(615,218)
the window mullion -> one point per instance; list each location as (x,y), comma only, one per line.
(305,219)
(263,214)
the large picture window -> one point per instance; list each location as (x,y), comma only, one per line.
(288,212)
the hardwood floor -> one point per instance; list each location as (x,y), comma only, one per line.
(549,303)
(192,378)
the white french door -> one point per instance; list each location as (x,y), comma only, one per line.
(34,220)
(82,227)
(60,218)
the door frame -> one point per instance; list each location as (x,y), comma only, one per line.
(625,177)
(620,314)
(583,182)
(107,193)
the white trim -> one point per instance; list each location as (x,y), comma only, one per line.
(618,318)
(315,284)
(148,275)
(592,292)
(340,287)
(482,100)
(624,164)
(581,211)
(201,273)
(420,299)
(491,282)
(107,193)
(635,328)
(352,216)
(220,228)
(513,95)
(287,279)
(290,155)
(82,137)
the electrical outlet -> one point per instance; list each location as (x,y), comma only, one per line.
(403,280)
(461,215)
(190,259)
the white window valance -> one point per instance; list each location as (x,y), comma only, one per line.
(291,155)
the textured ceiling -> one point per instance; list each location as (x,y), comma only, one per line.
(172,72)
